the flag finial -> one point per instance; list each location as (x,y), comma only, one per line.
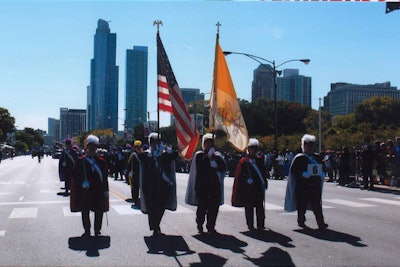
(218,25)
(158,23)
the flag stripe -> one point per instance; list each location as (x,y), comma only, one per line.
(170,99)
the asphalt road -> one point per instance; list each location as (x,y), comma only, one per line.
(37,228)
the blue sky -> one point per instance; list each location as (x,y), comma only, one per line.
(46,47)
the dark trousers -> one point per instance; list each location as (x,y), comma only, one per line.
(207,207)
(367,176)
(98,219)
(260,213)
(310,192)
(155,215)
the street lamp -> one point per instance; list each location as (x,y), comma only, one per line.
(275,73)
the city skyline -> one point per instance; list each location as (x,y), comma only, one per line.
(45,58)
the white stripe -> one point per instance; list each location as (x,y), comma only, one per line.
(2,233)
(384,201)
(19,213)
(19,182)
(181,209)
(269,206)
(226,207)
(349,203)
(125,210)
(45,202)
(67,212)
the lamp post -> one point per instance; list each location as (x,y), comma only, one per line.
(275,73)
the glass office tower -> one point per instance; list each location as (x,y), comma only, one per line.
(102,108)
(136,87)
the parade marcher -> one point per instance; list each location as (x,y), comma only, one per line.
(305,183)
(134,171)
(89,187)
(158,182)
(367,160)
(344,166)
(249,186)
(206,184)
(119,164)
(66,165)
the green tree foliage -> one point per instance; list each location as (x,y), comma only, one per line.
(6,124)
(30,138)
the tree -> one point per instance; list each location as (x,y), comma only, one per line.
(29,137)
(6,124)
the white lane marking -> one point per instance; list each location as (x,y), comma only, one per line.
(384,201)
(19,182)
(227,207)
(349,203)
(19,213)
(125,210)
(181,209)
(67,212)
(44,202)
(2,233)
(269,206)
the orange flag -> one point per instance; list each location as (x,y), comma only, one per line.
(225,113)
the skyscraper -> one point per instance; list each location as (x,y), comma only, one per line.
(102,106)
(293,87)
(72,122)
(344,97)
(136,87)
(263,83)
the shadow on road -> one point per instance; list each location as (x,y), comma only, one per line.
(91,244)
(273,257)
(270,237)
(333,236)
(208,259)
(168,245)
(222,241)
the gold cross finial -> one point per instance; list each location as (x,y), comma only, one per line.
(218,25)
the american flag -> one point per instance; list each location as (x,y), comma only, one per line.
(170,100)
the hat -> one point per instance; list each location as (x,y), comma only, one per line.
(92,139)
(207,136)
(307,138)
(253,142)
(137,143)
(154,137)
(68,141)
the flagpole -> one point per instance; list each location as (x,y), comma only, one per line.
(214,87)
(158,23)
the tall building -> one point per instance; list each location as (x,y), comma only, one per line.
(102,106)
(293,87)
(263,83)
(191,94)
(72,122)
(136,87)
(344,97)
(50,126)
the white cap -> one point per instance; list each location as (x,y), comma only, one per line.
(253,142)
(153,136)
(92,139)
(207,136)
